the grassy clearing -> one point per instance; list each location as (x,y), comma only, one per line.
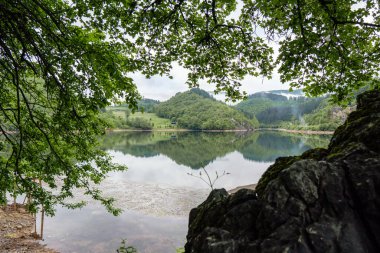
(157,122)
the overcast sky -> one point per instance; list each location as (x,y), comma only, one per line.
(162,88)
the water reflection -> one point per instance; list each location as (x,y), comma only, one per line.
(198,149)
(192,149)
(156,191)
(267,146)
(93,230)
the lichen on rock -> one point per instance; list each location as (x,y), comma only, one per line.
(326,200)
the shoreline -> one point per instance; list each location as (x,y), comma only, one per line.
(16,231)
(310,132)
(116,130)
(178,130)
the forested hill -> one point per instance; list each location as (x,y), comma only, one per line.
(147,105)
(292,110)
(143,105)
(196,109)
(270,108)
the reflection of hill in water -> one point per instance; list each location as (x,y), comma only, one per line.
(197,149)
(192,149)
(267,146)
(139,144)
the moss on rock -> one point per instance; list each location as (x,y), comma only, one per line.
(282,163)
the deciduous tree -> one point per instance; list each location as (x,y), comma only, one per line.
(326,46)
(62,61)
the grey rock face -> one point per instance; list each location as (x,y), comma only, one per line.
(321,201)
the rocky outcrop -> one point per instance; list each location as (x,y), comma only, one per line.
(326,200)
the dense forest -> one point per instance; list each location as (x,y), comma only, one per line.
(293,112)
(270,108)
(198,110)
(147,105)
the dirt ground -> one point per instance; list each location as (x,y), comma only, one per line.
(16,232)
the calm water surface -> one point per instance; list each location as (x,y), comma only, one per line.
(166,177)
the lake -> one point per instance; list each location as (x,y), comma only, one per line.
(168,174)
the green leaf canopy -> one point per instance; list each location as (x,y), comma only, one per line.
(62,61)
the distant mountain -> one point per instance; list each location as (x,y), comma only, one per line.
(196,109)
(292,110)
(326,117)
(273,107)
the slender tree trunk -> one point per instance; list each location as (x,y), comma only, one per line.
(14,197)
(42,218)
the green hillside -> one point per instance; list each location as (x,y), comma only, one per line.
(271,109)
(259,102)
(147,105)
(196,109)
(296,112)
(290,110)
(327,117)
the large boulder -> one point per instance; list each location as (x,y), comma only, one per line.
(326,200)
